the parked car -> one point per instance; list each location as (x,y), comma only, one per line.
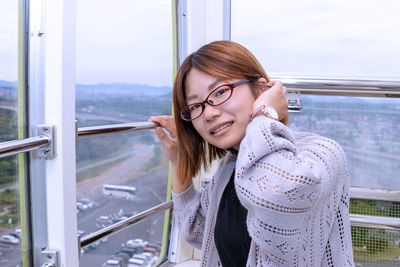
(121,254)
(15,235)
(104,220)
(135,262)
(118,219)
(129,214)
(129,250)
(112,263)
(81,207)
(18,233)
(94,245)
(136,243)
(147,254)
(81,233)
(154,245)
(9,239)
(145,258)
(88,202)
(151,250)
(153,261)
(117,258)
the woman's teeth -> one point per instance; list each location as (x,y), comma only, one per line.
(222,127)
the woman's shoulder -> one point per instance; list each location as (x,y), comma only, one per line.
(308,137)
(314,141)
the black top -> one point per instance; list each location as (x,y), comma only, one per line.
(231,236)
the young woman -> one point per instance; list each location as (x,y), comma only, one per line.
(279,197)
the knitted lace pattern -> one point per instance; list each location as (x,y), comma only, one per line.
(295,188)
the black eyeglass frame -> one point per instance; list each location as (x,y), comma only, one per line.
(202,104)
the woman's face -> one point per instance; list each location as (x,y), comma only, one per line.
(223,126)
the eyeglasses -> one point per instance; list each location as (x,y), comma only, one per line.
(218,96)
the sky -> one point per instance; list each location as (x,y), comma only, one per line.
(130,41)
(8,40)
(322,38)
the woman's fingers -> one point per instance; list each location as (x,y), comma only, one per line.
(169,142)
(166,122)
(284,90)
(162,135)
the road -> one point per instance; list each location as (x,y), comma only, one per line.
(151,190)
(8,105)
(114,118)
(148,148)
(118,174)
(10,255)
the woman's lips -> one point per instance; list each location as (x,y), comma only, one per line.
(219,128)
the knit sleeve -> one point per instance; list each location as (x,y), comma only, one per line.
(281,179)
(189,212)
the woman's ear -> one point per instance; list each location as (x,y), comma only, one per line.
(261,85)
(261,82)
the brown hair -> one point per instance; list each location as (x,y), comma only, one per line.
(223,60)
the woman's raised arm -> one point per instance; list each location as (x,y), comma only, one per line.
(171,148)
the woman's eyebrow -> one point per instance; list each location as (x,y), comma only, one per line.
(210,87)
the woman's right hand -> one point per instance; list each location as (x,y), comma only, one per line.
(170,142)
(274,96)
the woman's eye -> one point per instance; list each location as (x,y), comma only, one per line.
(220,92)
(194,107)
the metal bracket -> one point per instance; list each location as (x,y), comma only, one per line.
(76,134)
(49,151)
(49,258)
(79,248)
(294,100)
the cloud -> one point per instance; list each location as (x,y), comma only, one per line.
(131,40)
(124,41)
(321,38)
(8,40)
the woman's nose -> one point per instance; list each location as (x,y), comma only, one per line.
(210,112)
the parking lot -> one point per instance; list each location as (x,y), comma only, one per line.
(151,190)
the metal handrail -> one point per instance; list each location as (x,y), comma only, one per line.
(387,223)
(28,144)
(115,128)
(124,224)
(348,87)
(374,194)
(23,145)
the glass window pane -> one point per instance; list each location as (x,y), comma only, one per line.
(124,74)
(314,38)
(10,220)
(135,243)
(365,127)
(375,247)
(334,39)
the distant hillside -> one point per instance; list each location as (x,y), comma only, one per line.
(122,89)
(8,91)
(4,83)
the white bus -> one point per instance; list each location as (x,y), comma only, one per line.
(119,191)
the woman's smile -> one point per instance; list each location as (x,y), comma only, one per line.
(219,129)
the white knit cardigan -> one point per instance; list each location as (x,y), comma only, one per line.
(295,188)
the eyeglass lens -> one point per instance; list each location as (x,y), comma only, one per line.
(215,98)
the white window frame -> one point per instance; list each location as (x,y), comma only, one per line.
(52,101)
